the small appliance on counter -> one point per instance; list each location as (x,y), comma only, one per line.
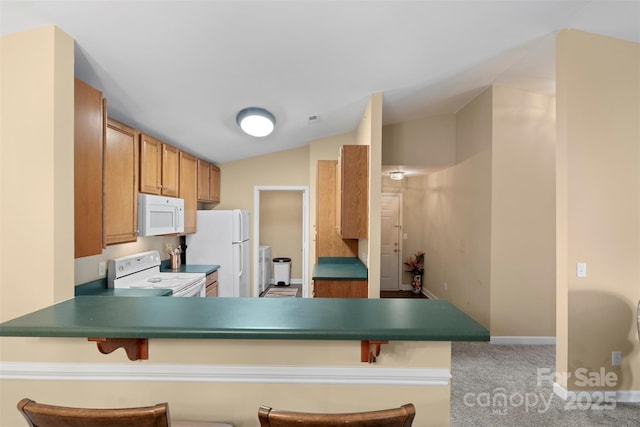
(140,271)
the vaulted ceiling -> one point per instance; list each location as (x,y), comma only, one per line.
(181,70)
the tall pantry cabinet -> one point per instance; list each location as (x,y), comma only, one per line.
(89,113)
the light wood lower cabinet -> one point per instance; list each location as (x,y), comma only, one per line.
(88,141)
(212,284)
(120,183)
(340,289)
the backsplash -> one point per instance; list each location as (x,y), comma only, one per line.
(86,269)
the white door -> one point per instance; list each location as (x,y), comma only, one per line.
(390,246)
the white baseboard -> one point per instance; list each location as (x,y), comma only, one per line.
(429,294)
(596,396)
(522,340)
(291,281)
(365,375)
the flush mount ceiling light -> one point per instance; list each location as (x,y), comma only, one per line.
(396,175)
(256,121)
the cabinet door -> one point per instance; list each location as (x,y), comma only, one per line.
(170,170)
(150,165)
(214,184)
(188,190)
(203,181)
(212,284)
(353,191)
(88,140)
(340,289)
(120,183)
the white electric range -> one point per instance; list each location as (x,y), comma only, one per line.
(142,271)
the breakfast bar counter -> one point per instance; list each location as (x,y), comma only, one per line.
(255,350)
(250,318)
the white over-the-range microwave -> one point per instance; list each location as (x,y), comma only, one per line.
(159,215)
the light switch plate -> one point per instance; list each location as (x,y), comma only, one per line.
(581,269)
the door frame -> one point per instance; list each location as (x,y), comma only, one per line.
(400,232)
(305,233)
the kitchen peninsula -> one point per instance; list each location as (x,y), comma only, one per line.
(375,320)
(250,351)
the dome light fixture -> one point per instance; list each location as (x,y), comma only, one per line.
(396,175)
(256,121)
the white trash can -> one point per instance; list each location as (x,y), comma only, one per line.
(282,271)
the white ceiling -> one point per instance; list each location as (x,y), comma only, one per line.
(181,70)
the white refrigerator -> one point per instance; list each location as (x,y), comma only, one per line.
(223,239)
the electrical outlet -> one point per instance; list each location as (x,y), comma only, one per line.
(102,269)
(616,358)
(446,286)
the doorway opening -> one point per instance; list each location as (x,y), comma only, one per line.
(285,208)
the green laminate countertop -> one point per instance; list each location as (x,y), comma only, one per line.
(110,292)
(190,268)
(250,318)
(339,268)
(99,288)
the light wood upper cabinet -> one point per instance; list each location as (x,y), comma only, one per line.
(188,190)
(352,191)
(214,183)
(159,167)
(208,182)
(170,170)
(120,183)
(88,139)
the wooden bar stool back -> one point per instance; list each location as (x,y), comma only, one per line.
(42,415)
(397,417)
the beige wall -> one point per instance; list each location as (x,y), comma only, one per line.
(428,142)
(86,269)
(286,168)
(598,199)
(281,227)
(36,222)
(523,214)
(489,220)
(233,402)
(457,211)
(369,132)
